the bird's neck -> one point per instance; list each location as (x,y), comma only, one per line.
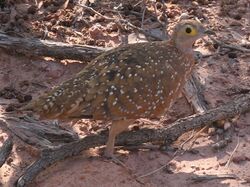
(186,47)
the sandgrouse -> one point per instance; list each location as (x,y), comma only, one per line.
(126,83)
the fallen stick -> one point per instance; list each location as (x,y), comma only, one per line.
(59,50)
(38,134)
(5,150)
(167,134)
(232,154)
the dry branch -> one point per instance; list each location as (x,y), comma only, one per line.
(5,150)
(203,178)
(230,46)
(38,134)
(59,50)
(168,135)
(193,93)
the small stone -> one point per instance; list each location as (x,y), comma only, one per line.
(247,179)
(9,108)
(212,131)
(96,31)
(27,98)
(194,151)
(20,148)
(22,8)
(184,16)
(232,55)
(203,2)
(235,23)
(168,170)
(136,38)
(237,17)
(215,46)
(220,145)
(171,14)
(135,128)
(159,6)
(32,151)
(198,168)
(153,156)
(223,161)
(193,166)
(209,168)
(9,161)
(194,3)
(83,128)
(112,27)
(240,158)
(219,131)
(32,9)
(242,134)
(227,125)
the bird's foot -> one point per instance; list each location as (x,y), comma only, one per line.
(112,157)
(117,161)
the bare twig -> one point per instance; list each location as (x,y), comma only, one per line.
(158,169)
(95,12)
(148,121)
(122,21)
(196,136)
(233,47)
(138,3)
(65,4)
(202,178)
(137,147)
(232,154)
(165,18)
(143,14)
(186,141)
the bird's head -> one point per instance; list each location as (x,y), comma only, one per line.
(186,32)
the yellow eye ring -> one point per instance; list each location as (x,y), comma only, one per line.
(190,31)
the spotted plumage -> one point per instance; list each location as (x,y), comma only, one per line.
(129,82)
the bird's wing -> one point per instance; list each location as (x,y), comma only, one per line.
(127,83)
(123,82)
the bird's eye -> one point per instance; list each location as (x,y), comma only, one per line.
(188,30)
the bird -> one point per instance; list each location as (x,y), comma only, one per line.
(126,83)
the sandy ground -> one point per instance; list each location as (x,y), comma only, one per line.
(220,74)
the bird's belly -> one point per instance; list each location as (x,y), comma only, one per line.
(142,106)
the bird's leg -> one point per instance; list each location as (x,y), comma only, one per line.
(116,128)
